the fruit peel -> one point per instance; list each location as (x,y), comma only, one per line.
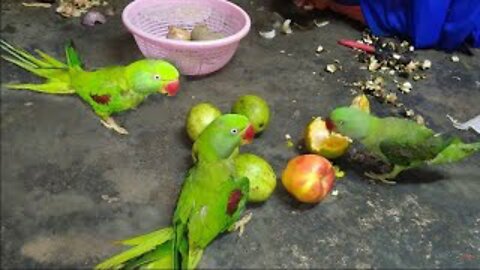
(319,140)
(361,102)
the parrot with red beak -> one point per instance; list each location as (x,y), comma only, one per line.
(107,90)
(403,143)
(211,202)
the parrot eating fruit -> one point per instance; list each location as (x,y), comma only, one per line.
(403,143)
(107,90)
(212,199)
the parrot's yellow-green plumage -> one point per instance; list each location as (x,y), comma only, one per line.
(212,199)
(107,90)
(400,142)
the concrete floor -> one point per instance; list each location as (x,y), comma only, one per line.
(59,164)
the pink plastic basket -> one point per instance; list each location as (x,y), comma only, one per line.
(148,21)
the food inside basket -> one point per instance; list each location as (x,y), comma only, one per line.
(201,32)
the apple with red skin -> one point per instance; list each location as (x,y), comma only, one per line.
(309,178)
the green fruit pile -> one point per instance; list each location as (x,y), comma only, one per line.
(261,176)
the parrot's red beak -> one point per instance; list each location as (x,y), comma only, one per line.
(172,88)
(248,135)
(330,125)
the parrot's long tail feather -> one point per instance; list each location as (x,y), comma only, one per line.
(56,72)
(28,59)
(50,88)
(148,248)
(456,151)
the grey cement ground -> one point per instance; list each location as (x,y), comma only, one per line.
(58,161)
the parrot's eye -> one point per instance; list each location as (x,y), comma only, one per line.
(156,77)
(234,131)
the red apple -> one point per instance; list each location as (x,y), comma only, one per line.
(309,178)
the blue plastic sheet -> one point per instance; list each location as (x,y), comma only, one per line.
(444,24)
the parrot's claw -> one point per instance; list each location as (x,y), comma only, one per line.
(240,224)
(380,177)
(111,124)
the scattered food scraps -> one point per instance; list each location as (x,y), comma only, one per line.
(331,68)
(109,199)
(75,8)
(319,49)
(338,172)
(427,64)
(289,140)
(361,102)
(37,4)
(405,87)
(391,60)
(321,24)
(268,34)
(419,119)
(286,29)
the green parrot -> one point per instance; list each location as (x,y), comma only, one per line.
(400,142)
(107,90)
(212,199)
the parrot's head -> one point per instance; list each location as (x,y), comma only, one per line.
(349,121)
(220,139)
(149,76)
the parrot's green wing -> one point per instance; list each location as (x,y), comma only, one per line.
(410,150)
(106,90)
(211,200)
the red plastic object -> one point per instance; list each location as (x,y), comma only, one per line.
(357,45)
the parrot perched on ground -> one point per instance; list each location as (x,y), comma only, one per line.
(108,90)
(212,200)
(400,142)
